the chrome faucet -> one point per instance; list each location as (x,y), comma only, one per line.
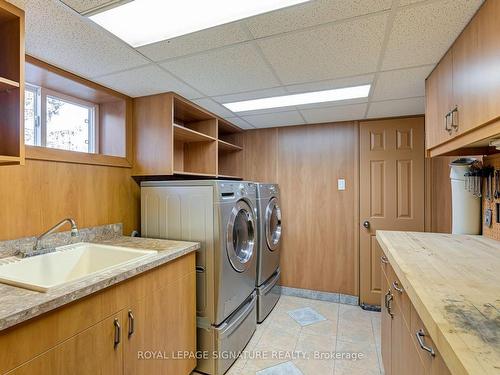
(38,246)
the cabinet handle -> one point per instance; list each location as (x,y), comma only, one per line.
(447,122)
(420,338)
(118,332)
(396,286)
(384,259)
(387,300)
(454,118)
(131,323)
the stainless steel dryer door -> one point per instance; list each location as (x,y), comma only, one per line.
(241,235)
(273,224)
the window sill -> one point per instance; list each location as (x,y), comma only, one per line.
(51,154)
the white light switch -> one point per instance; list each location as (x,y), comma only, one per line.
(341,184)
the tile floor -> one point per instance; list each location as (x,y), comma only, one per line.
(326,328)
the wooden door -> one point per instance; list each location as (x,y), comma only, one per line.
(439,102)
(164,323)
(386,328)
(91,352)
(476,58)
(391,190)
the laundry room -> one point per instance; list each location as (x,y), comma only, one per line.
(238,187)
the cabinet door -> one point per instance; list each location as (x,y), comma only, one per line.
(161,326)
(398,331)
(476,78)
(412,364)
(386,327)
(91,352)
(439,102)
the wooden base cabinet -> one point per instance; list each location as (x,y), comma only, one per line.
(404,351)
(143,324)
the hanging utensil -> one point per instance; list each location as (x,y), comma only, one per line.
(496,195)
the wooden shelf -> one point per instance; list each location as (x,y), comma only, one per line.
(228,147)
(6,84)
(194,174)
(11,84)
(184,134)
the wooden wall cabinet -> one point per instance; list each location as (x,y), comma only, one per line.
(105,333)
(176,137)
(463,91)
(11,84)
(402,353)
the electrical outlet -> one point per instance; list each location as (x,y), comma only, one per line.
(341,184)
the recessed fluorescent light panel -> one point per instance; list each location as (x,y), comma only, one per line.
(142,22)
(345,93)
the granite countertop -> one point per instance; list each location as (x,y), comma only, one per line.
(453,281)
(18,305)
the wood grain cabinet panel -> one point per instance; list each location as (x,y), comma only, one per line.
(439,103)
(155,312)
(476,78)
(401,350)
(90,352)
(467,83)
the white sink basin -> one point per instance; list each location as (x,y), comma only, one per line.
(68,263)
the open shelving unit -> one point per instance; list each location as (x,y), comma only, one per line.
(177,139)
(11,84)
(229,150)
(195,140)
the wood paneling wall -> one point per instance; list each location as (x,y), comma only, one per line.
(440,194)
(319,244)
(35,196)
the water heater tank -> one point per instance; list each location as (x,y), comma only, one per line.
(466,207)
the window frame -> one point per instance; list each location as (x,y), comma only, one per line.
(37,105)
(41,117)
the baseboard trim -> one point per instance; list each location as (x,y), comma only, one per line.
(345,299)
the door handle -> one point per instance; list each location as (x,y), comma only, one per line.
(118,333)
(131,323)
(420,338)
(366,224)
(387,301)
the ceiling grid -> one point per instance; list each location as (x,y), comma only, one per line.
(313,46)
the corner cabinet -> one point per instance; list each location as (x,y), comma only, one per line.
(173,136)
(135,327)
(11,84)
(463,91)
(406,346)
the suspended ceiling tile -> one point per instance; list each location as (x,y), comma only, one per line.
(240,122)
(337,113)
(147,80)
(196,42)
(250,95)
(83,6)
(214,107)
(406,83)
(312,13)
(224,71)
(401,107)
(56,34)
(327,52)
(275,119)
(422,34)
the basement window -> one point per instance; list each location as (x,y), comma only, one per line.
(59,121)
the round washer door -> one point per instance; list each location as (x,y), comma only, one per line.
(240,236)
(273,224)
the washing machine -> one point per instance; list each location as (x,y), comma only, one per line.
(268,257)
(221,215)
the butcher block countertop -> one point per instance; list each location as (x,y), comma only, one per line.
(453,282)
